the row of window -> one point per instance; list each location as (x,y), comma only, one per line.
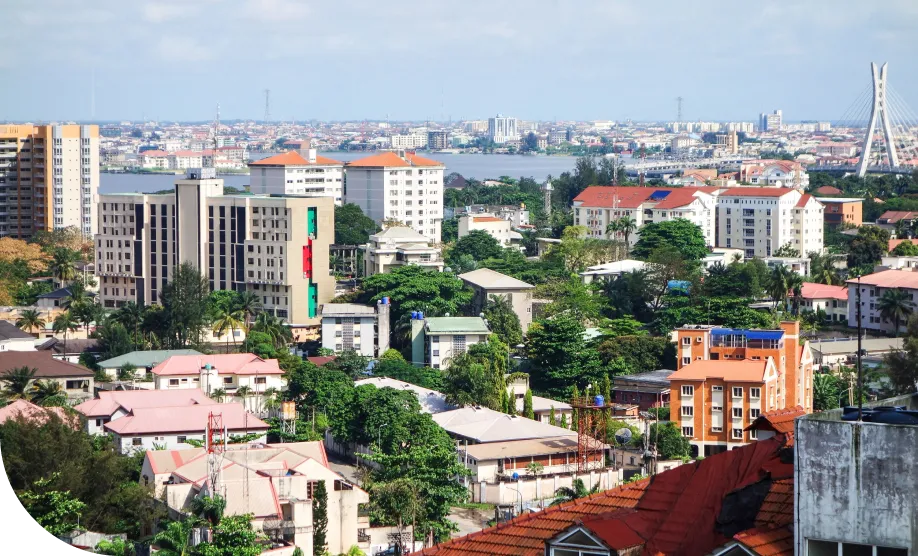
(755,393)
(689,411)
(735,434)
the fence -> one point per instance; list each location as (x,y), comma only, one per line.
(531,489)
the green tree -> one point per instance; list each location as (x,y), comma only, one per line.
(822,269)
(185,304)
(623,226)
(18,383)
(319,519)
(116,547)
(902,365)
(560,356)
(30,320)
(57,511)
(681,234)
(786,250)
(392,355)
(209,508)
(130,316)
(867,249)
(234,536)
(350,363)
(48,393)
(248,303)
(399,500)
(227,322)
(826,391)
(641,353)
(127,371)
(64,323)
(503,320)
(567,494)
(895,305)
(478,244)
(669,442)
(425,377)
(114,339)
(63,265)
(527,405)
(578,251)
(477,376)
(274,328)
(352,226)
(905,249)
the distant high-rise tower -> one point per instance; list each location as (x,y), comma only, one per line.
(546,190)
(502,129)
(878,112)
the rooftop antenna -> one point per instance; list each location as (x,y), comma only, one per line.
(213,157)
(92,95)
(267,105)
(679,109)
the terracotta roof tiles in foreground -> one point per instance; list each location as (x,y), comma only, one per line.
(774,542)
(692,509)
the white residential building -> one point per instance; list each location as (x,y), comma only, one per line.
(872,287)
(502,129)
(760,220)
(596,207)
(227,372)
(488,283)
(436,340)
(114,404)
(362,328)
(275,246)
(14,339)
(399,246)
(774,173)
(292,174)
(831,299)
(409,141)
(399,186)
(498,228)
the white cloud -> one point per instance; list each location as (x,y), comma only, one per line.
(183,49)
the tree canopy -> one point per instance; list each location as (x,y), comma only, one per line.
(683,235)
(352,226)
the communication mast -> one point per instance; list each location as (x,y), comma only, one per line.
(643,161)
(591,432)
(679,109)
(216,447)
(267,105)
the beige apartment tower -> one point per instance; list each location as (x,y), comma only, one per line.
(275,246)
(49,178)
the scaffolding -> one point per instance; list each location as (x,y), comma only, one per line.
(591,432)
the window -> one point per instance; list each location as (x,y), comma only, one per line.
(181,439)
(717,388)
(737,434)
(737,392)
(261,380)
(686,341)
(688,432)
(173,382)
(227,380)
(753,434)
(137,441)
(688,390)
(717,408)
(755,393)
(686,360)
(688,411)
(754,413)
(737,412)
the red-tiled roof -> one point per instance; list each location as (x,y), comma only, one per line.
(828,190)
(756,192)
(890,279)
(812,290)
(293,158)
(674,513)
(893,243)
(615,197)
(774,542)
(746,370)
(676,199)
(893,216)
(392,160)
(804,199)
(319,360)
(779,420)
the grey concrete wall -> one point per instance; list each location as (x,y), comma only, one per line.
(856,482)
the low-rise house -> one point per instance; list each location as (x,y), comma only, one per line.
(834,352)
(71,349)
(56,299)
(842,210)
(495,226)
(647,390)
(889,219)
(228,372)
(494,461)
(872,288)
(831,299)
(275,483)
(611,271)
(14,339)
(436,340)
(431,401)
(76,381)
(170,427)
(399,246)
(32,412)
(486,282)
(112,405)
(143,360)
(482,425)
(362,328)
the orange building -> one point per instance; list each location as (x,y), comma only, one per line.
(726,377)
(842,210)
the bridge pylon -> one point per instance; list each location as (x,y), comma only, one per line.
(879,113)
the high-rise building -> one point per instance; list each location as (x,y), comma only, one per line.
(437,140)
(399,186)
(274,246)
(759,220)
(408,141)
(290,173)
(502,129)
(49,178)
(771,122)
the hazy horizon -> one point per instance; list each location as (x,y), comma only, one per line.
(543,60)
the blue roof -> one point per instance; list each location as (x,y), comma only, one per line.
(749,334)
(658,195)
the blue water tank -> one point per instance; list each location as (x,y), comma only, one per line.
(599,401)
(420,315)
(385,301)
(516,476)
(414,315)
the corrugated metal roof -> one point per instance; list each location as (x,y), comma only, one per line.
(456,325)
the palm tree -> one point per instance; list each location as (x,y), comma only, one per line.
(17,383)
(779,284)
(243,392)
(578,490)
(274,327)
(77,295)
(228,321)
(63,324)
(269,400)
(48,392)
(30,319)
(87,313)
(130,315)
(822,269)
(795,283)
(210,509)
(627,226)
(248,303)
(62,265)
(218,395)
(174,539)
(895,305)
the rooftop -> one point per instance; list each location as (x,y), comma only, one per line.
(811,290)
(486,425)
(228,363)
(889,279)
(871,345)
(9,331)
(456,325)
(109,401)
(347,309)
(828,200)
(431,400)
(45,365)
(145,358)
(30,411)
(728,370)
(392,160)
(522,448)
(490,279)
(188,418)
(293,158)
(756,192)
(659,377)
(61,293)
(399,232)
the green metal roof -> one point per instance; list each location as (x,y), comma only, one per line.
(143,359)
(457,325)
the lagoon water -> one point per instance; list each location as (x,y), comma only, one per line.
(478,166)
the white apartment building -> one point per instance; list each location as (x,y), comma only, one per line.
(872,287)
(362,328)
(275,246)
(435,341)
(49,178)
(596,207)
(502,129)
(498,228)
(399,186)
(774,173)
(759,220)
(831,299)
(292,174)
(408,141)
(399,246)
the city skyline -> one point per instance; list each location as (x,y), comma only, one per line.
(174,62)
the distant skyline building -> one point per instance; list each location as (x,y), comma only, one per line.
(49,178)
(437,140)
(771,122)
(502,129)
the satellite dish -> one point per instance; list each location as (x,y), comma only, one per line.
(623,435)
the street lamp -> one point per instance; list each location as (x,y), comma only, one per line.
(521,499)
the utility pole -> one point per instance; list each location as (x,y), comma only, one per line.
(860,379)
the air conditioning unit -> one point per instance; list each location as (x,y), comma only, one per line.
(698,340)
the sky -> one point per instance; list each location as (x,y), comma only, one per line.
(175,60)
